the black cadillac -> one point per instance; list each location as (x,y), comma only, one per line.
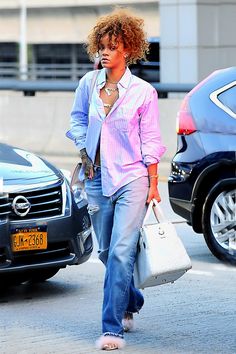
(44,224)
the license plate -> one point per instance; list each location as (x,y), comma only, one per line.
(28,239)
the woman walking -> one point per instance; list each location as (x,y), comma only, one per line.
(115,126)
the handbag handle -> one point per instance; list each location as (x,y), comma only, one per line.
(155,207)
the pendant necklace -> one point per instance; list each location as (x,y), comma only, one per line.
(107,105)
(108,90)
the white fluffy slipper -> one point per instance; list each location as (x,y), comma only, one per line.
(110,343)
(128,323)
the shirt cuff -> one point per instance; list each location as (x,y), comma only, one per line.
(149,160)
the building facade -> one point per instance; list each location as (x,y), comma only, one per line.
(197,37)
(190,38)
(55,32)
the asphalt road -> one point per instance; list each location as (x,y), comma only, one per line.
(195,315)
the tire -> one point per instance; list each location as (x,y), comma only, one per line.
(12,279)
(40,275)
(219,221)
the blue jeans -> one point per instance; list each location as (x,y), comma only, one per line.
(116,221)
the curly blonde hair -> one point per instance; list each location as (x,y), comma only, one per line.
(124,26)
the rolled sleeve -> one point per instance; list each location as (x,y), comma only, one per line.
(79,115)
(151,143)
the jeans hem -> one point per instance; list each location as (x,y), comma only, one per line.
(113,334)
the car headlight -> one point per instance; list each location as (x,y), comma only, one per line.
(66,174)
(77,186)
(79,193)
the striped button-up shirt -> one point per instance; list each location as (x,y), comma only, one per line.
(129,135)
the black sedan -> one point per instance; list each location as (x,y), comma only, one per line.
(202,182)
(44,226)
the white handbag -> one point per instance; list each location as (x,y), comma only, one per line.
(161,255)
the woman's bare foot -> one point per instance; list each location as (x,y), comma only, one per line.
(110,343)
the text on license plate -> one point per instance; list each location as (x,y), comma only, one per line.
(27,239)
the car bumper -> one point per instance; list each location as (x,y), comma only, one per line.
(190,182)
(69,241)
(180,185)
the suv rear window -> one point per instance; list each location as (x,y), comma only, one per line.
(228,98)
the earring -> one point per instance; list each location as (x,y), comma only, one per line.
(125,55)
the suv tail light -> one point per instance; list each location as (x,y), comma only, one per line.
(185,124)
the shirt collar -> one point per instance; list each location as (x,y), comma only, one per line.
(124,81)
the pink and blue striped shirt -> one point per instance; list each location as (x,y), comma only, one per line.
(129,135)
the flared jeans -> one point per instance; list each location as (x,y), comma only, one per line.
(116,221)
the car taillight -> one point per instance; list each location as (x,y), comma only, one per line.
(185,124)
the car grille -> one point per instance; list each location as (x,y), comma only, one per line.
(5,206)
(54,252)
(44,203)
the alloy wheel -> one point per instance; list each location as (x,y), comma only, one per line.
(223,220)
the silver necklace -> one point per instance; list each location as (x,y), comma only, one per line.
(108,90)
(111,82)
(107,105)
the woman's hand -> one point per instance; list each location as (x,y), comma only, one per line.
(87,164)
(153,193)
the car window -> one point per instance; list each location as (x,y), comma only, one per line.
(228,98)
(224,98)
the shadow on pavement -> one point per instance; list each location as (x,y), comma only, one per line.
(37,291)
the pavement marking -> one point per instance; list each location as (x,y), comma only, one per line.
(94,260)
(224,267)
(192,271)
(201,272)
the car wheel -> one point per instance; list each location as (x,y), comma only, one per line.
(219,222)
(40,275)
